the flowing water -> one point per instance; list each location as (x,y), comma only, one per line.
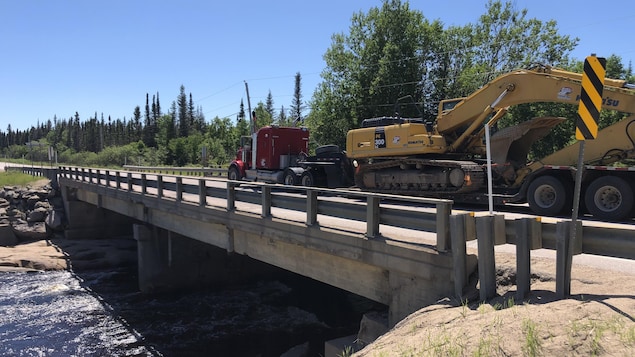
(97,313)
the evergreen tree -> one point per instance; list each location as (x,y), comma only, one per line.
(296,104)
(148,135)
(282,118)
(269,105)
(184,120)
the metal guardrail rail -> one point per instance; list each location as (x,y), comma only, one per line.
(189,171)
(370,208)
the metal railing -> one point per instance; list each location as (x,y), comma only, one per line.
(188,171)
(371,208)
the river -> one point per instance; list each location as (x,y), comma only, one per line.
(99,313)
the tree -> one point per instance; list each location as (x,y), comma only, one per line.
(296,104)
(367,70)
(263,118)
(393,53)
(184,120)
(269,105)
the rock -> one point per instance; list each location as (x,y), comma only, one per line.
(26,231)
(42,204)
(373,325)
(37,215)
(28,212)
(7,237)
(15,214)
(31,200)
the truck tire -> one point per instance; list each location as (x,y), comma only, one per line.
(547,196)
(609,198)
(307,179)
(327,149)
(233,174)
(290,178)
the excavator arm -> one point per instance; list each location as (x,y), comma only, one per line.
(540,84)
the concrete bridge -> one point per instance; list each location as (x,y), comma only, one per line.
(200,230)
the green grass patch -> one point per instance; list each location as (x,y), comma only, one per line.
(12,178)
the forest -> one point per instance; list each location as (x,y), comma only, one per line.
(392,53)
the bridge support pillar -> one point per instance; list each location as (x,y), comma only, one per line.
(168,261)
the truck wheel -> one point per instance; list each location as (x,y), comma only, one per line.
(307,179)
(547,196)
(290,178)
(609,198)
(233,174)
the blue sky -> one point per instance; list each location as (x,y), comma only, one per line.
(67,56)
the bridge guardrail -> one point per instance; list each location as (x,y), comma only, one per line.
(370,210)
(189,171)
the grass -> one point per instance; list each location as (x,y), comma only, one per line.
(16,179)
(532,345)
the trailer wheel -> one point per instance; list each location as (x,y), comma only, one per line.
(609,198)
(307,179)
(233,174)
(290,178)
(547,196)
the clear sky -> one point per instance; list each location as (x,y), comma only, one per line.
(67,56)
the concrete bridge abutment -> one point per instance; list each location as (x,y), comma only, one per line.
(85,220)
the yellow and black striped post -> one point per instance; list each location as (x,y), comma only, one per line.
(590,98)
(586,129)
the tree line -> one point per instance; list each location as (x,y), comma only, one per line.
(178,136)
(393,59)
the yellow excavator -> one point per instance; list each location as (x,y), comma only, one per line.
(446,158)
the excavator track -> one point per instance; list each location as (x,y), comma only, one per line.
(420,177)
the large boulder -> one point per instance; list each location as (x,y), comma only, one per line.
(26,231)
(37,215)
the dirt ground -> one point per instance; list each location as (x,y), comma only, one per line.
(597,320)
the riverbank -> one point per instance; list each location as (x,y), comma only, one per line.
(598,319)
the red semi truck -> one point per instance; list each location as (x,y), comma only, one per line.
(278,154)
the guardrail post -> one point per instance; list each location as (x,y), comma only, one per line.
(117,180)
(144,184)
(444,210)
(460,232)
(83,175)
(231,196)
(179,189)
(372,216)
(486,260)
(266,201)
(311,207)
(565,249)
(159,186)
(107,178)
(129,181)
(202,194)
(528,237)
(98,177)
